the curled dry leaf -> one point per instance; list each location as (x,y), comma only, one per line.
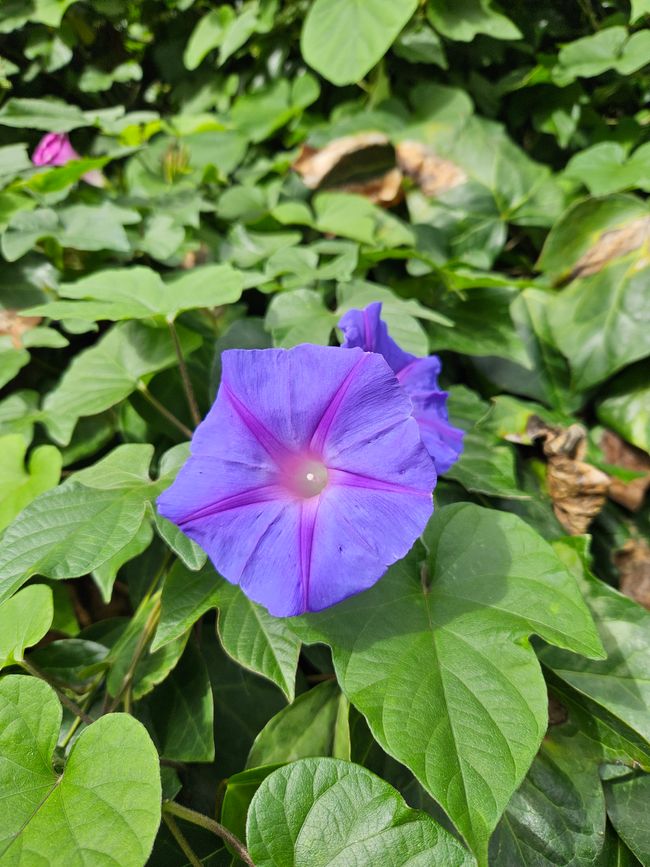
(15,325)
(325,166)
(621,454)
(633,563)
(369,165)
(611,245)
(363,164)
(578,489)
(433,174)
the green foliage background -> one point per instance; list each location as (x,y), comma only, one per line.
(409,724)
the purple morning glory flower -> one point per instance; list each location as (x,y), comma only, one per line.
(55,149)
(417,376)
(307,478)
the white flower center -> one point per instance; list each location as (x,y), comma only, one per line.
(307,478)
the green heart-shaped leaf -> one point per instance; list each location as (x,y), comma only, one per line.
(103,810)
(329,813)
(445,674)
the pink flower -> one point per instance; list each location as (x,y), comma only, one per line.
(55,149)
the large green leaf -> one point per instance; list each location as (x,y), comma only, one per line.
(557,816)
(140,293)
(248,633)
(84,523)
(461,21)
(79,226)
(257,640)
(620,684)
(259,113)
(329,813)
(344,39)
(105,806)
(24,620)
(67,532)
(602,322)
(111,370)
(316,724)
(628,803)
(19,486)
(444,672)
(53,114)
(349,215)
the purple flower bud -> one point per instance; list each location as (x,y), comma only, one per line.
(417,376)
(308,477)
(55,149)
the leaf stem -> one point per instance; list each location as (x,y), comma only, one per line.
(86,704)
(181,840)
(144,391)
(210,825)
(185,376)
(143,640)
(63,698)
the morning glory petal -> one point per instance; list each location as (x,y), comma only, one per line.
(417,376)
(367,330)
(360,531)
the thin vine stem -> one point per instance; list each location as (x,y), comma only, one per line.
(86,705)
(181,839)
(171,418)
(143,640)
(210,825)
(185,376)
(74,708)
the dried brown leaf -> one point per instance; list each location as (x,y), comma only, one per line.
(633,563)
(567,442)
(433,174)
(15,325)
(578,489)
(611,245)
(317,165)
(616,451)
